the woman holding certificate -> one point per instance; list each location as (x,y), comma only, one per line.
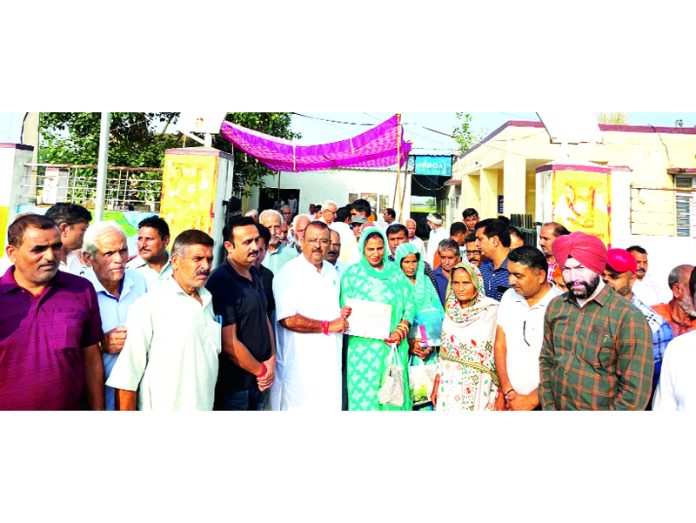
(382,311)
(424,336)
(466,378)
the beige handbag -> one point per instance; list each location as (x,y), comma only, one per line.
(392,390)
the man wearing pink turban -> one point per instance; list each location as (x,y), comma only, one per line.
(597,352)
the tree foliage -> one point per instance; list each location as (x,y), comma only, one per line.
(135,139)
(140,140)
(462,133)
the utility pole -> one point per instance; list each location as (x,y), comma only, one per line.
(102,166)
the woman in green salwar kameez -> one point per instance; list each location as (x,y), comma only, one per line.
(374,278)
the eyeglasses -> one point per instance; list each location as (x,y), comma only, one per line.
(473,252)
(321,242)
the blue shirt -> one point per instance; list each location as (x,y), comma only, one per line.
(662,335)
(441,282)
(114,312)
(495,281)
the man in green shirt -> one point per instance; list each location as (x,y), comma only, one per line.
(597,350)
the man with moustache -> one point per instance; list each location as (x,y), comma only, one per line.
(448,250)
(411,226)
(645,287)
(620,275)
(310,325)
(473,254)
(493,240)
(49,326)
(334,252)
(597,350)
(547,235)
(277,254)
(105,251)
(680,312)
(520,330)
(72,220)
(170,358)
(153,260)
(247,365)
(297,230)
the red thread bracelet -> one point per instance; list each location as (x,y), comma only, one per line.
(264,370)
(325,327)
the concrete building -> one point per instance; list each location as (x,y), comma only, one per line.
(651,170)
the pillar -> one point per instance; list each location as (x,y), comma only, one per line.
(515,184)
(14,173)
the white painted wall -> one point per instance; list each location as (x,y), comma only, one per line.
(317,186)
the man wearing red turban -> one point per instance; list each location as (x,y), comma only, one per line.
(597,352)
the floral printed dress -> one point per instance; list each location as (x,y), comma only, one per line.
(467,336)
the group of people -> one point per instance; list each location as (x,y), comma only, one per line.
(336,310)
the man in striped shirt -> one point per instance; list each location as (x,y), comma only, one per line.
(597,350)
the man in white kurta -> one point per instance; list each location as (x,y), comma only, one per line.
(170,356)
(677,385)
(310,325)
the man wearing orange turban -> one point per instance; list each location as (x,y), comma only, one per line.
(597,352)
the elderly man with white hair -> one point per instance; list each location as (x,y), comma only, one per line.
(277,254)
(437,234)
(297,231)
(105,252)
(411,227)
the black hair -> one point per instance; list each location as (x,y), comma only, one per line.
(156,223)
(637,248)
(692,281)
(391,212)
(458,228)
(238,221)
(499,228)
(362,206)
(470,238)
(68,213)
(16,230)
(396,228)
(264,233)
(469,212)
(558,229)
(529,256)
(343,213)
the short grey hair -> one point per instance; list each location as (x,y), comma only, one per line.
(94,231)
(271,212)
(327,203)
(296,218)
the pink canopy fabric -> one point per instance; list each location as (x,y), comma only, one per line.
(374,148)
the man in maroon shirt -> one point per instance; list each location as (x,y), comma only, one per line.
(50,326)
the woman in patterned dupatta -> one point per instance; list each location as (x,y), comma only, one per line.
(466,378)
(375,278)
(428,312)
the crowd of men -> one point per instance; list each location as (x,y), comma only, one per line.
(87,325)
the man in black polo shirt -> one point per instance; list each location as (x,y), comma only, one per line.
(247,362)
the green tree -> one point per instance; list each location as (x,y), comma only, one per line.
(140,140)
(248,171)
(462,133)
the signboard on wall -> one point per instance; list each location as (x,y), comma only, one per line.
(433,165)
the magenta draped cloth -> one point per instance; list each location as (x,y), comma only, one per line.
(374,148)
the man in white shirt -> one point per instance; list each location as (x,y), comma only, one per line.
(520,331)
(153,260)
(646,288)
(170,358)
(105,251)
(310,324)
(333,253)
(437,234)
(410,224)
(72,220)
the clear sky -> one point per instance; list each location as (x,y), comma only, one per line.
(419,127)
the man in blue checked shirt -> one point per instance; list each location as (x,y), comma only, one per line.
(493,240)
(620,274)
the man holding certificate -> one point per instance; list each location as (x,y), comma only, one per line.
(310,327)
(382,311)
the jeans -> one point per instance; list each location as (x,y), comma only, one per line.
(247,399)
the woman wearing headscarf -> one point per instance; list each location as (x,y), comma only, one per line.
(466,378)
(428,314)
(374,278)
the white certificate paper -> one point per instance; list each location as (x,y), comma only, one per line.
(369,319)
